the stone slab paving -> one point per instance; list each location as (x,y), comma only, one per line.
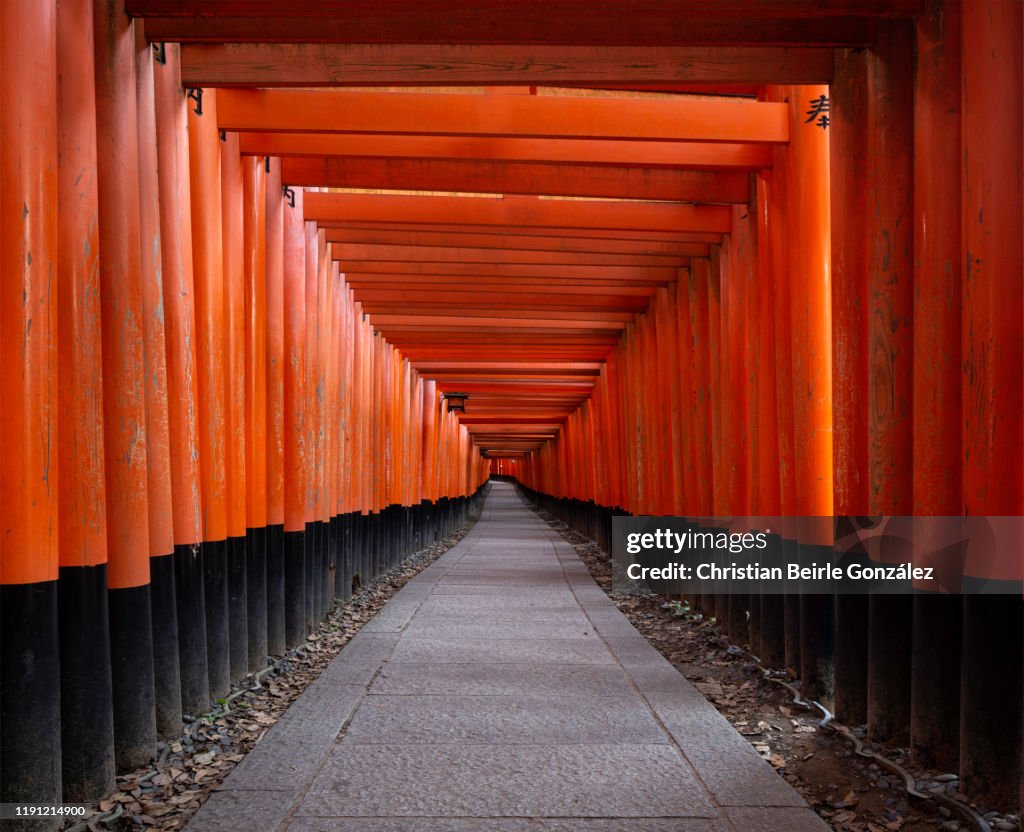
(501,691)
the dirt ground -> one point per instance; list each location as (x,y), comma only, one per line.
(850,792)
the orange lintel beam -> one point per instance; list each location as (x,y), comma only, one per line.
(512,270)
(348,252)
(517,178)
(513,323)
(511,364)
(373,64)
(327,208)
(556,22)
(502,317)
(509,242)
(519,376)
(539,116)
(625,153)
(609,311)
(557,234)
(532,284)
(455,288)
(496,300)
(492,421)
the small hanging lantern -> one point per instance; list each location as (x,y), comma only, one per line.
(456,401)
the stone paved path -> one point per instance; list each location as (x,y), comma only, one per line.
(500,690)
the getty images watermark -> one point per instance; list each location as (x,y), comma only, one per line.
(848,555)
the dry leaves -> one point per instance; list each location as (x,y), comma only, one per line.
(164,796)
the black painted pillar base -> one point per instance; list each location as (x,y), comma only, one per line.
(86,715)
(772,644)
(344,585)
(311,557)
(238,612)
(851,692)
(990,704)
(736,617)
(889,641)
(30,710)
(191,606)
(272,539)
(132,676)
(256,601)
(334,536)
(215,588)
(166,661)
(327,570)
(791,616)
(295,584)
(935,681)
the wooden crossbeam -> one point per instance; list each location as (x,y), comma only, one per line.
(445,64)
(630,153)
(453,114)
(328,208)
(517,178)
(532,22)
(355,252)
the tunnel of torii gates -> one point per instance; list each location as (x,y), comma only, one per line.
(250,248)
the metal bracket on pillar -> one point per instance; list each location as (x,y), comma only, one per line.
(223,135)
(266,163)
(289,194)
(159,53)
(196,94)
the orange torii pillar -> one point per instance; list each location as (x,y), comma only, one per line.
(314,447)
(267,581)
(182,384)
(850,347)
(890,242)
(808,258)
(347,439)
(293,620)
(992,332)
(699,360)
(254,248)
(779,245)
(286,613)
(29,696)
(86,716)
(770,641)
(326,301)
(208,266)
(937,618)
(237,551)
(124,388)
(336,477)
(167,678)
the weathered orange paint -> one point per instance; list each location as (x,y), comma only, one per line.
(158,452)
(82,501)
(254,232)
(992,325)
(337,111)
(313,392)
(208,265)
(275,344)
(850,313)
(232,200)
(295,403)
(124,370)
(179,299)
(28,304)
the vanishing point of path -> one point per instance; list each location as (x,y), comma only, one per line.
(500,690)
